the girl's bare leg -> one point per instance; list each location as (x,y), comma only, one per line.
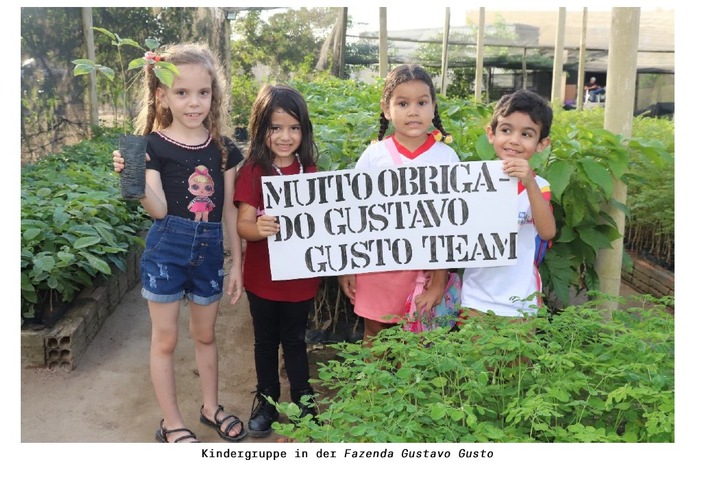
(202,329)
(164,337)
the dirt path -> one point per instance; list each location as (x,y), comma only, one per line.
(108,397)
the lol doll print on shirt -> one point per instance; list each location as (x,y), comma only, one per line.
(201,185)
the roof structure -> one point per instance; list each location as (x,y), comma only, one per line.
(534,34)
(656,35)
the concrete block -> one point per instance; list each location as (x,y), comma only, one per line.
(32,353)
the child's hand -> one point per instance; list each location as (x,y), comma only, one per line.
(347,284)
(433,293)
(428,299)
(518,168)
(117,161)
(267,225)
(235,287)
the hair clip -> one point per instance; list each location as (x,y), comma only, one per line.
(151,57)
(448,139)
(437,135)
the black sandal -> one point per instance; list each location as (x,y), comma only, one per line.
(161,435)
(217,424)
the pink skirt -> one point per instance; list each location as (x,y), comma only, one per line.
(382,296)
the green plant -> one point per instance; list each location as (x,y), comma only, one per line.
(582,165)
(650,229)
(576,376)
(244,91)
(164,71)
(74,226)
(345,118)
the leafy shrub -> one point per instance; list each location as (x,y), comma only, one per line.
(244,91)
(345,115)
(577,376)
(650,230)
(582,165)
(74,226)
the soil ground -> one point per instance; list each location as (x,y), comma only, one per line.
(108,397)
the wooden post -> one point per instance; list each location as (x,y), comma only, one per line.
(445,51)
(339,50)
(384,62)
(479,55)
(582,60)
(558,77)
(88,24)
(618,118)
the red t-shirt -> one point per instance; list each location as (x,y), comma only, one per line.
(257,268)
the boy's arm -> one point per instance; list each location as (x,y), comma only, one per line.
(542,215)
(540,207)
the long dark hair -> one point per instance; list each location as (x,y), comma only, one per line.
(270,98)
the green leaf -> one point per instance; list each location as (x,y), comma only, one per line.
(567,235)
(31,233)
(128,41)
(540,426)
(83,69)
(107,72)
(152,44)
(484,149)
(456,414)
(105,32)
(439,382)
(98,264)
(137,63)
(44,263)
(25,283)
(558,173)
(164,75)
(168,66)
(438,411)
(598,175)
(86,241)
(65,257)
(594,238)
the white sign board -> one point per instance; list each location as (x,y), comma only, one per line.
(404,218)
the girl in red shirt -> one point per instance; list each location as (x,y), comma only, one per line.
(281,143)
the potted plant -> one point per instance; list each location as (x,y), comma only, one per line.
(132,147)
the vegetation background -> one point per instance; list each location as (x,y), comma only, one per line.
(291,46)
(76,231)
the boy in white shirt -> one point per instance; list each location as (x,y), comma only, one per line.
(520,127)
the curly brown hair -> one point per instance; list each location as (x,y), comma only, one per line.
(151,118)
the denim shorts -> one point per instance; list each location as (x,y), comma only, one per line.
(183,259)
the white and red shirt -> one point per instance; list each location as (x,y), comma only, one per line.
(503,289)
(432,152)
